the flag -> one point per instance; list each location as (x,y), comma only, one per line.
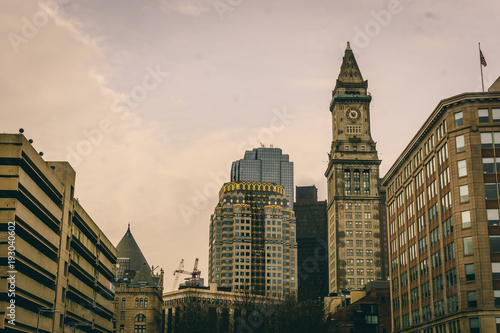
(481,57)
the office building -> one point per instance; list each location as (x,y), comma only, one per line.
(253,246)
(138,298)
(63,268)
(312,243)
(353,184)
(265,165)
(443,220)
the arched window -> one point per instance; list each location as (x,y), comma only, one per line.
(141,304)
(140,318)
(136,302)
(145,302)
(123,302)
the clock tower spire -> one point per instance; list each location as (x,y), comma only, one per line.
(353,183)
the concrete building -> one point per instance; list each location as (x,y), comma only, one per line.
(214,310)
(60,264)
(312,243)
(265,165)
(353,184)
(138,298)
(253,246)
(443,220)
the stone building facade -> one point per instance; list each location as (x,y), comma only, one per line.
(353,184)
(138,298)
(443,220)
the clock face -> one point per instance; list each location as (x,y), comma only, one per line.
(352,114)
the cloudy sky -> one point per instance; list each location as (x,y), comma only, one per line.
(152,100)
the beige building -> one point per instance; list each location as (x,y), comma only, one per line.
(443,220)
(253,245)
(213,310)
(354,200)
(59,263)
(138,297)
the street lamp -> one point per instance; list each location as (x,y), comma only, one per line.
(40,310)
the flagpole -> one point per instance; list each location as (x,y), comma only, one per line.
(481,66)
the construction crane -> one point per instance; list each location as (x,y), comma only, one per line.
(195,274)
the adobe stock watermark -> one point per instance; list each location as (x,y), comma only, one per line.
(30,26)
(381,19)
(201,196)
(123,108)
(225,6)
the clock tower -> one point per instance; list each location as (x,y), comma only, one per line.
(353,184)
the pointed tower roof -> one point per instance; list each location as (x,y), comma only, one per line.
(143,275)
(349,70)
(128,248)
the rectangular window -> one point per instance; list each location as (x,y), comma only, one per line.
(459,118)
(493,218)
(466,219)
(471,299)
(489,165)
(490,190)
(486,140)
(474,325)
(483,115)
(468,245)
(464,193)
(496,114)
(495,244)
(495,268)
(470,273)
(460,143)
(462,168)
(496,294)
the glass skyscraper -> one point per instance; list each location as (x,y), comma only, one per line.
(266,165)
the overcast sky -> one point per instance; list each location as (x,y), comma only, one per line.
(151,101)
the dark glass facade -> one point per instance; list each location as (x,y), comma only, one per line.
(265,165)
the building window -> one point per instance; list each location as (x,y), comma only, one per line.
(489,165)
(496,294)
(459,118)
(462,168)
(471,299)
(122,287)
(117,300)
(145,302)
(483,115)
(474,325)
(496,114)
(142,287)
(136,302)
(123,302)
(493,218)
(495,269)
(460,143)
(486,140)
(122,315)
(466,219)
(495,244)
(140,329)
(464,193)
(490,190)
(468,245)
(470,274)
(140,318)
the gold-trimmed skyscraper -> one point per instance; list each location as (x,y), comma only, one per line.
(353,184)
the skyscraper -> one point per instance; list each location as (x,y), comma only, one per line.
(265,165)
(253,247)
(353,184)
(443,217)
(312,243)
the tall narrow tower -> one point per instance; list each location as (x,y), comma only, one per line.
(353,180)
